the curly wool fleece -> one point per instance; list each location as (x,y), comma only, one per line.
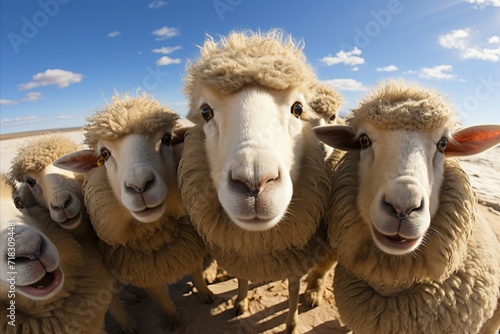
(126,115)
(39,153)
(144,255)
(270,60)
(398,105)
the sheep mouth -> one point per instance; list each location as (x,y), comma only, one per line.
(149,211)
(72,223)
(395,241)
(45,287)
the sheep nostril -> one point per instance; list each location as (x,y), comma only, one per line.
(67,202)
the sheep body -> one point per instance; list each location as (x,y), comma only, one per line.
(451,283)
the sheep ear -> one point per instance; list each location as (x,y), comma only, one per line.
(341,137)
(473,140)
(179,134)
(79,162)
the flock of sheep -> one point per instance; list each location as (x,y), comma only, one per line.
(263,186)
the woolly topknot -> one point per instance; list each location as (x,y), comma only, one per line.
(39,153)
(125,115)
(325,101)
(271,59)
(399,105)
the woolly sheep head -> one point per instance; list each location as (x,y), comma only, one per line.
(403,133)
(27,251)
(57,190)
(248,91)
(132,138)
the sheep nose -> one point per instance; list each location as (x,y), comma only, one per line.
(140,186)
(251,187)
(29,244)
(401,212)
(60,205)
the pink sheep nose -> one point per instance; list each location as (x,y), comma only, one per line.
(254,188)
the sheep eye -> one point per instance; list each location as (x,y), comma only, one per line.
(441,145)
(31,182)
(364,141)
(105,153)
(167,139)
(332,118)
(207,112)
(297,109)
(18,203)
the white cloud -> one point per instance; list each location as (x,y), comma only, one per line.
(355,69)
(58,77)
(390,68)
(345,84)
(458,39)
(348,58)
(481,4)
(494,40)
(113,34)
(6,102)
(32,97)
(165,32)
(29,97)
(19,120)
(157,4)
(437,72)
(166,60)
(166,49)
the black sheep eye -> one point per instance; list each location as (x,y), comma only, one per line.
(332,118)
(105,153)
(207,112)
(297,109)
(364,141)
(167,139)
(441,145)
(31,182)
(18,203)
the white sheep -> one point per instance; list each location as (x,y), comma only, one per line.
(131,193)
(60,193)
(49,282)
(412,258)
(56,189)
(252,174)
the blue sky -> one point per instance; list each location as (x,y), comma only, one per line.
(60,59)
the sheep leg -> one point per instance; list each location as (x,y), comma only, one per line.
(126,322)
(316,281)
(292,318)
(204,292)
(160,295)
(241,302)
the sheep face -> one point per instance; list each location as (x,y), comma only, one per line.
(58,191)
(137,166)
(36,259)
(254,137)
(400,175)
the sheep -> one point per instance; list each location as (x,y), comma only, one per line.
(56,189)
(50,282)
(252,173)
(412,258)
(130,190)
(59,192)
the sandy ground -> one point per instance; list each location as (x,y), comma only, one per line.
(268,302)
